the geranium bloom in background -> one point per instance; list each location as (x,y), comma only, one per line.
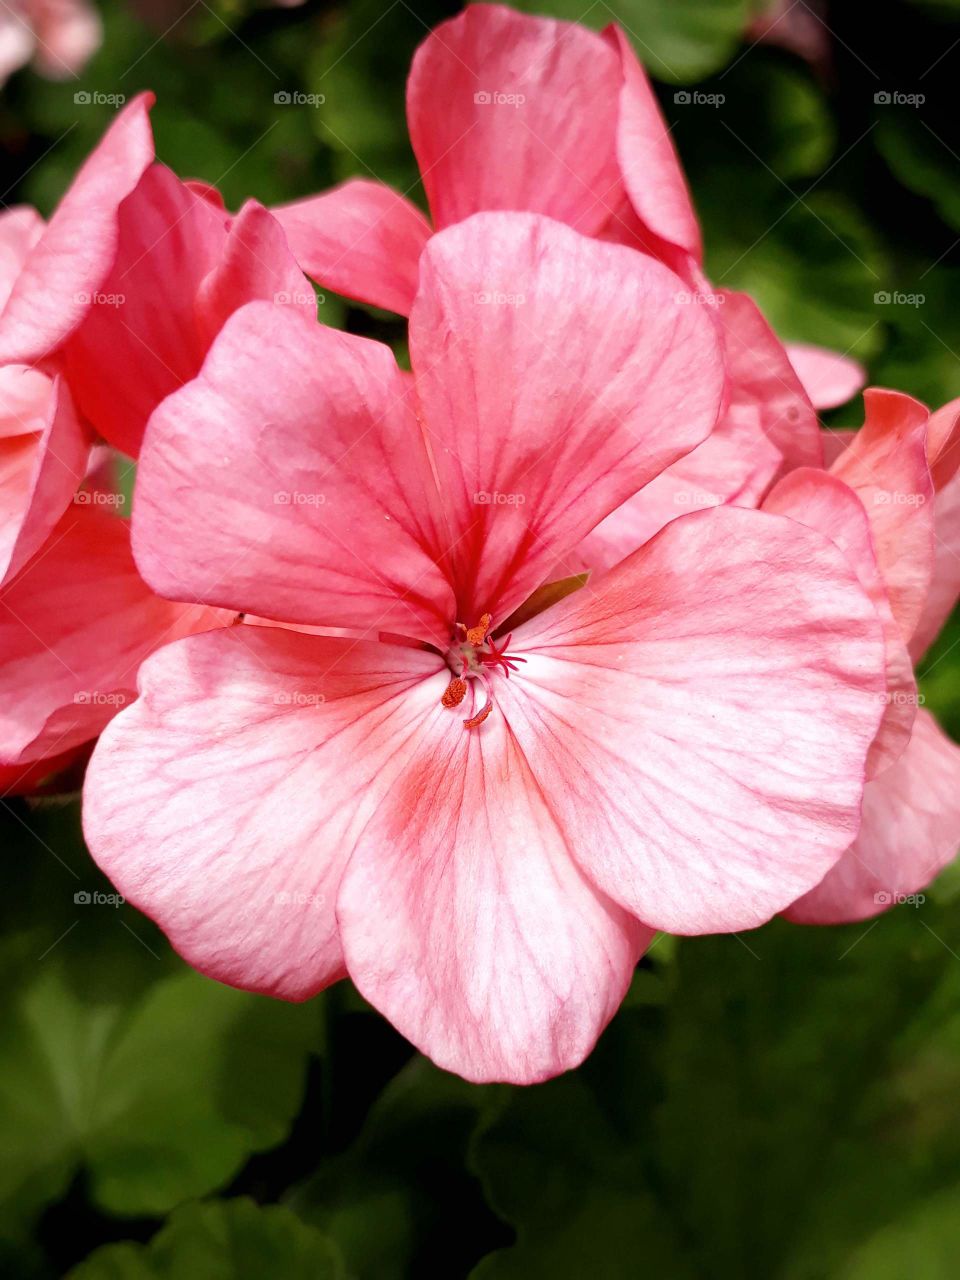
(472,817)
(550,117)
(59,36)
(882,482)
(105,310)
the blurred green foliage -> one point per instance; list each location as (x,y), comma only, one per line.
(777,1105)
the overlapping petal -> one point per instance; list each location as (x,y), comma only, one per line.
(700,720)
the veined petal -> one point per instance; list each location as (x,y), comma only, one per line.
(362,239)
(512,112)
(556,375)
(910,831)
(247,768)
(290,480)
(699,722)
(67,265)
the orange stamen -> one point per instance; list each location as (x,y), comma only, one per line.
(475,721)
(476,635)
(455,692)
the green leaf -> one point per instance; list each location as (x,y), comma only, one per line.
(232,1240)
(400,1201)
(114,1057)
(766,1121)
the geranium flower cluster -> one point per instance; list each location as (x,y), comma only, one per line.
(464,681)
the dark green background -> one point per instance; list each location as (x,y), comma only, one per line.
(778,1106)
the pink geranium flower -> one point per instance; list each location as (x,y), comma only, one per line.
(469,815)
(512,112)
(878,502)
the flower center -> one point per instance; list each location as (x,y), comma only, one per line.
(474,656)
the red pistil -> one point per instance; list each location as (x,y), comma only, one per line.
(477,655)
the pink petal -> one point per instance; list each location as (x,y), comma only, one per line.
(557,375)
(254,263)
(823,502)
(20,229)
(41,467)
(74,626)
(70,261)
(181,269)
(910,831)
(700,720)
(944,590)
(761,374)
(886,466)
(513,112)
(290,480)
(943,443)
(464,918)
(736,464)
(226,801)
(652,173)
(69,33)
(361,239)
(828,379)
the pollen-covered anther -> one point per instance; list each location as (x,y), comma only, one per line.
(455,692)
(475,721)
(476,635)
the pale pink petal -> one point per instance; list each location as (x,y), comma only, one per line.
(140,341)
(761,374)
(736,464)
(835,442)
(361,239)
(829,379)
(17,42)
(74,626)
(700,720)
(40,469)
(652,173)
(943,443)
(68,264)
(254,264)
(512,112)
(69,32)
(24,400)
(944,590)
(290,480)
(20,229)
(910,831)
(886,466)
(823,502)
(247,769)
(464,918)
(557,375)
